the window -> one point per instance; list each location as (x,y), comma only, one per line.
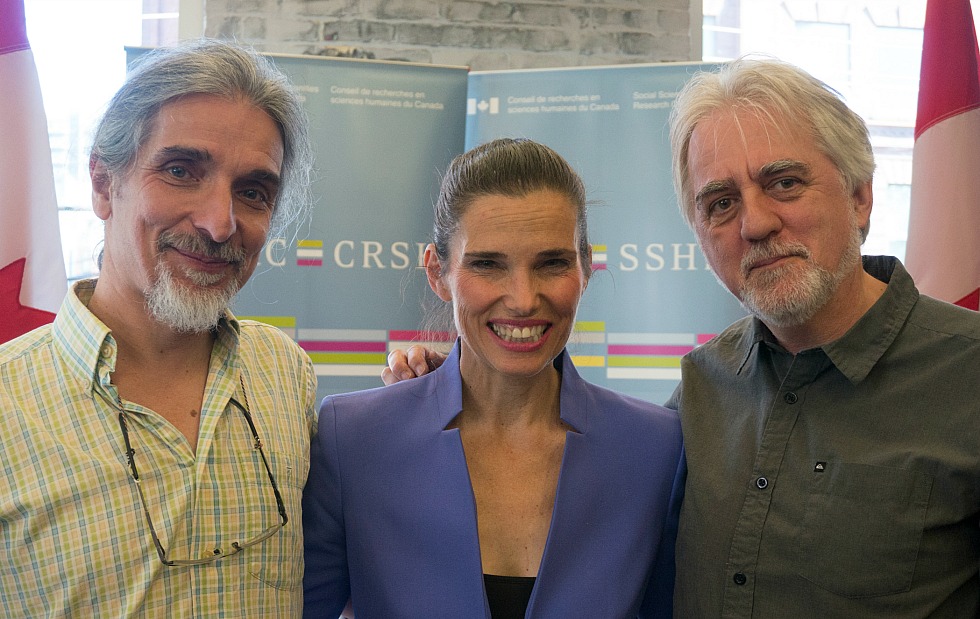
(79,50)
(876,69)
(898,56)
(823,49)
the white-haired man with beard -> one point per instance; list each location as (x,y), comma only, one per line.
(833,436)
(155,447)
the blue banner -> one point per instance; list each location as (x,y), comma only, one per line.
(348,286)
(652,297)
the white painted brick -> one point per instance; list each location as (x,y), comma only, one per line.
(482,34)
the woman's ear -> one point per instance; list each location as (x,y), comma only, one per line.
(101,188)
(434,273)
(589,271)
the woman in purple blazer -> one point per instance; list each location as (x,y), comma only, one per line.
(502,484)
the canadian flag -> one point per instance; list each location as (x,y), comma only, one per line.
(32,270)
(943,252)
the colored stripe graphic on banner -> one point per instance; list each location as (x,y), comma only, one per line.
(650,356)
(588,343)
(286,324)
(309,253)
(600,257)
(363,352)
(440,341)
(345,352)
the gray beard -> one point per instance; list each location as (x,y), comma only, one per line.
(189,309)
(791,299)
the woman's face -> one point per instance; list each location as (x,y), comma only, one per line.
(514,277)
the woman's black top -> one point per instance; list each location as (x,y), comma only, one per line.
(508,595)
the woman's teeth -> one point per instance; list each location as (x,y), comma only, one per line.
(518,334)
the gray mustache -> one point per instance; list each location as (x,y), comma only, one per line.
(766,251)
(201,245)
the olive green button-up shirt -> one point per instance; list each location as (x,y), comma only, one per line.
(843,481)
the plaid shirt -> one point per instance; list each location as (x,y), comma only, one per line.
(74,541)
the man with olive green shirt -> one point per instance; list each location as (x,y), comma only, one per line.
(833,437)
(839,482)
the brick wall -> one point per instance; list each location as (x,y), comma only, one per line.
(484,35)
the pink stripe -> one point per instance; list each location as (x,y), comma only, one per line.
(704,338)
(665,351)
(328,346)
(601,266)
(414,336)
(302,262)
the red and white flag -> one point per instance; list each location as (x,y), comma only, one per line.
(32,270)
(943,253)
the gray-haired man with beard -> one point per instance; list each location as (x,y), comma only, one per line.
(155,447)
(833,437)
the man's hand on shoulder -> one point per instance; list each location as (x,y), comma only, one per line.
(412,363)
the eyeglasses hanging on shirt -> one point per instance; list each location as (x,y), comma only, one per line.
(235,546)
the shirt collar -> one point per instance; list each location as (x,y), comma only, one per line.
(857,351)
(88,345)
(84,340)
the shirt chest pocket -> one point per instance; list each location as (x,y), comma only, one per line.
(278,561)
(862,526)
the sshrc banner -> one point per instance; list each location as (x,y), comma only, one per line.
(347,285)
(652,297)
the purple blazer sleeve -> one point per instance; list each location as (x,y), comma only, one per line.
(659,598)
(325,582)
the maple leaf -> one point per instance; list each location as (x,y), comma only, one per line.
(971,301)
(17,319)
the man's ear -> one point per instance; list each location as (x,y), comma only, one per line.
(863,198)
(101,188)
(433,273)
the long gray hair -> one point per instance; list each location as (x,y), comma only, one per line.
(212,67)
